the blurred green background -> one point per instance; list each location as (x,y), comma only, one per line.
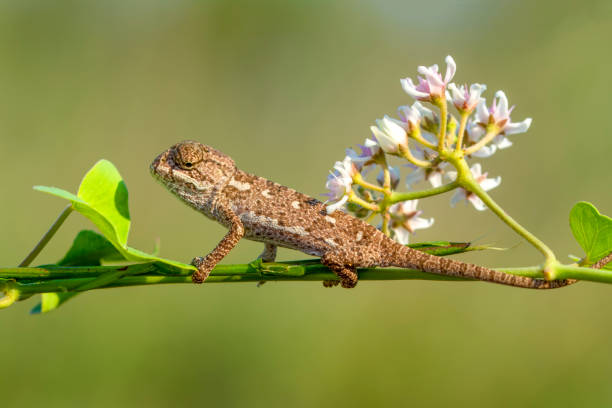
(284,87)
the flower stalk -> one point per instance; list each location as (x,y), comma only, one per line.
(443,118)
(461,133)
(467,181)
(492,132)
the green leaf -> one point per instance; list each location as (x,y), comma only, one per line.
(592,230)
(51,301)
(443,248)
(89,249)
(106,193)
(103,198)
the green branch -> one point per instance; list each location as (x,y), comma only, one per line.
(29,281)
(396,197)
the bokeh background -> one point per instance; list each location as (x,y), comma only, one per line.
(284,87)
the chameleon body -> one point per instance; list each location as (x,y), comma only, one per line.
(258,209)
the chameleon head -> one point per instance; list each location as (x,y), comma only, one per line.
(193,171)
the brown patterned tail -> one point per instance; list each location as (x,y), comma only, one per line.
(411,258)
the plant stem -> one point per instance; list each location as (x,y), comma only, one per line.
(385,222)
(47,237)
(386,180)
(466,180)
(68,272)
(490,135)
(396,197)
(353,198)
(304,270)
(419,138)
(582,273)
(462,125)
(443,113)
(358,179)
(407,154)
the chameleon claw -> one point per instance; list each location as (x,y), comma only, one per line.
(348,283)
(199,277)
(202,273)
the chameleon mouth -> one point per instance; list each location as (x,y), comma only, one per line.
(159,168)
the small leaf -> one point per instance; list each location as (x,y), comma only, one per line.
(58,192)
(50,301)
(443,248)
(105,192)
(89,249)
(107,229)
(592,230)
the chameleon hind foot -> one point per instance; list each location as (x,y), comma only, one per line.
(330,283)
(347,274)
(203,271)
(348,278)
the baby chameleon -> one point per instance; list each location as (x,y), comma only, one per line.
(254,208)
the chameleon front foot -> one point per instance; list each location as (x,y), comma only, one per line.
(203,271)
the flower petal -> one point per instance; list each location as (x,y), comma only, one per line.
(385,142)
(401,235)
(501,142)
(476,202)
(410,206)
(333,207)
(489,184)
(435,178)
(411,90)
(451,68)
(485,151)
(459,195)
(482,112)
(519,127)
(476,170)
(415,177)
(501,107)
(456,93)
(417,223)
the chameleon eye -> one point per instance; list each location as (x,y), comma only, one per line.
(187,155)
(186,165)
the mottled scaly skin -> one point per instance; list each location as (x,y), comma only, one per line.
(254,208)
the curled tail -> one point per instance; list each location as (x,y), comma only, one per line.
(404,257)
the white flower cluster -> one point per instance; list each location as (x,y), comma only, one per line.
(416,135)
